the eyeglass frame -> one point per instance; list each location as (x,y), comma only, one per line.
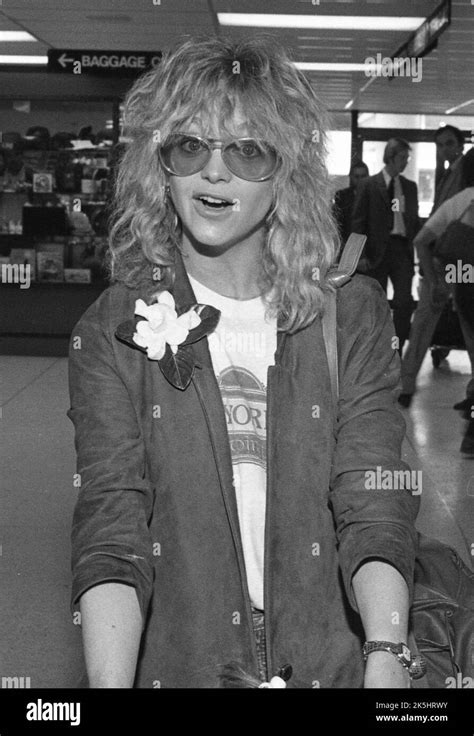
(211,144)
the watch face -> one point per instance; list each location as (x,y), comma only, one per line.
(406,652)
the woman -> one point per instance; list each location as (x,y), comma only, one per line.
(203,533)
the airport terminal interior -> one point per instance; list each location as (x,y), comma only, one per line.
(63,77)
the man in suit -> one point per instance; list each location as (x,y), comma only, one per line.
(386,210)
(344,198)
(449,148)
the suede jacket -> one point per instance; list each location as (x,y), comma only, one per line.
(157,508)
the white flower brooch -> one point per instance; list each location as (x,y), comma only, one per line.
(165,335)
(162,326)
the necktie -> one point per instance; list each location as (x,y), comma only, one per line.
(391,195)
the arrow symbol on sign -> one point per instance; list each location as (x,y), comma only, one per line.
(63,59)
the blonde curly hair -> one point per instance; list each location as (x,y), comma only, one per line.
(198,79)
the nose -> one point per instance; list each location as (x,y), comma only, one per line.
(215,169)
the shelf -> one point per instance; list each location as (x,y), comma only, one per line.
(94,285)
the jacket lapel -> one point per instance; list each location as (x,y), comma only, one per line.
(380,181)
(207,389)
(404,188)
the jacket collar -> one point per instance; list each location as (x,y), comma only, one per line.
(382,187)
(184,296)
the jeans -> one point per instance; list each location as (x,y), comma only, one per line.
(259,632)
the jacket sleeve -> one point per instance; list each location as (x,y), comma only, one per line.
(360,216)
(372,519)
(360,210)
(110,536)
(416,222)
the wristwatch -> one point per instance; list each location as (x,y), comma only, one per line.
(415,665)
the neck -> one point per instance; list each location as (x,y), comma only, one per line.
(233,271)
(391,171)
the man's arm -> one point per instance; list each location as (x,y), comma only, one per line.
(422,244)
(417,223)
(111,631)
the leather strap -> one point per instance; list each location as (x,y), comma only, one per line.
(330,341)
(337,277)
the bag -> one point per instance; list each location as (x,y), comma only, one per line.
(456,243)
(442,614)
(442,611)
(448,333)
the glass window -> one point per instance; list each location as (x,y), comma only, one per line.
(339,149)
(420,122)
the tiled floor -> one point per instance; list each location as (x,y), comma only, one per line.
(39,639)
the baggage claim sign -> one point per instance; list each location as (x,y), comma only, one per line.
(109,63)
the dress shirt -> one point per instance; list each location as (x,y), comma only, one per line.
(398,227)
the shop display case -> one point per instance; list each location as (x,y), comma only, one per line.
(53,238)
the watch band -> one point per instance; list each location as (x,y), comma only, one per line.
(415,665)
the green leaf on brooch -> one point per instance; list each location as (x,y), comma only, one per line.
(125,332)
(209,318)
(177,368)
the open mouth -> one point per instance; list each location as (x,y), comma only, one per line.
(214,203)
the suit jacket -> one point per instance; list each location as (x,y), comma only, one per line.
(450,184)
(372,216)
(157,507)
(343,206)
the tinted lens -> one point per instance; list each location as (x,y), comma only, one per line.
(247,158)
(250,159)
(184,155)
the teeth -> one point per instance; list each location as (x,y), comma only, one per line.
(213,200)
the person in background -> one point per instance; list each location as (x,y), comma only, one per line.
(435,291)
(386,210)
(344,198)
(449,149)
(86,134)
(16,176)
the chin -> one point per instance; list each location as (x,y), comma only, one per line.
(214,238)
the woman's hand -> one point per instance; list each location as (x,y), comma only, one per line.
(383,670)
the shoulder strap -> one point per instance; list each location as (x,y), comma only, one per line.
(330,341)
(337,277)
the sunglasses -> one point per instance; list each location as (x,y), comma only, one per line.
(247,158)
